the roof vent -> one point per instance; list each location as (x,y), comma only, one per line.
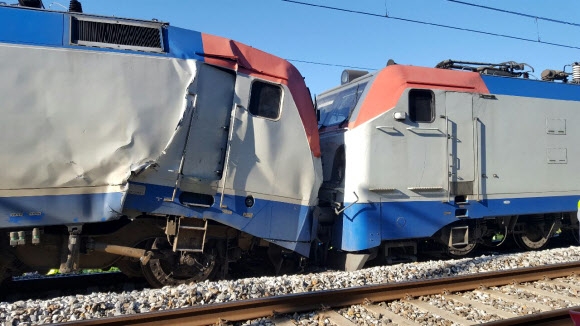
(75,6)
(31,3)
(350,75)
(116,34)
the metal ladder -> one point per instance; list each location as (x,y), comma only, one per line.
(191,233)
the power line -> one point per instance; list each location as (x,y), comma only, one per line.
(434,24)
(338,9)
(516,13)
(330,64)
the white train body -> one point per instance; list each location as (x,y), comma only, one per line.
(414,153)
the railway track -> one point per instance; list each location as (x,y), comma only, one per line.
(329,307)
(23,288)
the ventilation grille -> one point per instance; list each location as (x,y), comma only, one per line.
(114,34)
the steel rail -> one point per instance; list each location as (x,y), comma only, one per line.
(270,306)
(560,317)
(64,284)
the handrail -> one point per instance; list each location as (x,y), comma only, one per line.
(422,128)
(344,208)
(448,175)
(476,173)
(184,152)
(228,150)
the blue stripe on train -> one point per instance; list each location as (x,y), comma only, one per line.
(52,29)
(30,211)
(365,226)
(531,88)
(289,225)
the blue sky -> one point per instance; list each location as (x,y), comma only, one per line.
(294,31)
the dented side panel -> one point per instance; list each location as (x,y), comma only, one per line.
(78,120)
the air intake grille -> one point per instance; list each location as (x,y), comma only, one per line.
(101,33)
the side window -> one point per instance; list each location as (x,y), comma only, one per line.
(421,105)
(265,100)
(336,108)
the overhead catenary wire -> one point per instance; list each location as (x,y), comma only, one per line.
(515,13)
(434,24)
(330,64)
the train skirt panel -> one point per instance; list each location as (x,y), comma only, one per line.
(366,226)
(25,208)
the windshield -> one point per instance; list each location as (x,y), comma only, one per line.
(336,108)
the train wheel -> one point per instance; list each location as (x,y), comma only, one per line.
(6,265)
(4,276)
(533,237)
(129,266)
(575,235)
(574,231)
(460,251)
(173,268)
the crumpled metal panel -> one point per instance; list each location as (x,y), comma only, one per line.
(85,119)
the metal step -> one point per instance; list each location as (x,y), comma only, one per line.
(190,238)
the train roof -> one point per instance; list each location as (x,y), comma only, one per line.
(227,53)
(389,83)
(40,27)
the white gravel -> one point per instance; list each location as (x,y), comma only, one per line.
(97,305)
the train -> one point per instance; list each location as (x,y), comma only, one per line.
(174,154)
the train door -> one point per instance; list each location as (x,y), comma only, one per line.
(208,134)
(425,143)
(460,144)
(256,138)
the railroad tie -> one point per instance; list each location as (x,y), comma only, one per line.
(337,319)
(564,283)
(482,306)
(544,293)
(384,313)
(283,321)
(426,307)
(512,298)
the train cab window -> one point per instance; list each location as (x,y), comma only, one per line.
(421,105)
(337,107)
(265,100)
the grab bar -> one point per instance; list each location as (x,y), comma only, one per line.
(476,173)
(344,208)
(422,128)
(228,150)
(447,173)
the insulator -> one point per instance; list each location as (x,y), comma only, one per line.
(21,238)
(35,236)
(75,6)
(13,239)
(576,72)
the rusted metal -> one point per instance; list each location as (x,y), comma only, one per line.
(560,317)
(141,254)
(263,307)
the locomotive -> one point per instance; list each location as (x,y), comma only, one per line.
(445,158)
(163,151)
(171,154)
